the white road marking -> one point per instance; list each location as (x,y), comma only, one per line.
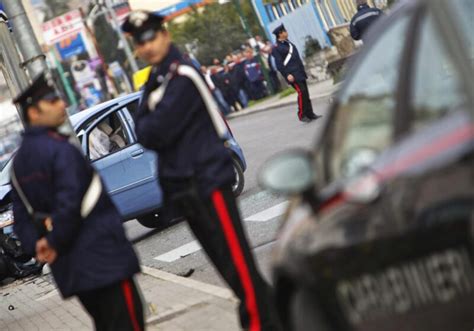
(269,213)
(179,252)
(218,291)
(194,246)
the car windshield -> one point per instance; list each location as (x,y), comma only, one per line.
(363,123)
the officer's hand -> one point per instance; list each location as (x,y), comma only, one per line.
(290,78)
(44,252)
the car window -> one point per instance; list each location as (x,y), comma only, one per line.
(464,14)
(437,87)
(363,123)
(133,107)
(94,117)
(107,137)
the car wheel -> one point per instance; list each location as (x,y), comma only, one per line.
(305,313)
(239,183)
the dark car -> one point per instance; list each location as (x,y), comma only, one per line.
(379,234)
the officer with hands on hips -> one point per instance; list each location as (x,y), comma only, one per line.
(179,119)
(64,216)
(289,64)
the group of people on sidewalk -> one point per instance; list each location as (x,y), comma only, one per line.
(241,77)
(238,79)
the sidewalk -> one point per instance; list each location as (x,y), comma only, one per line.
(174,303)
(316,91)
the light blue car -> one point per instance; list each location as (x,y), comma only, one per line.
(129,170)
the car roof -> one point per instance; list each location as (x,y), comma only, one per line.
(80,117)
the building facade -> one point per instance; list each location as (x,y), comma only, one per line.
(306,18)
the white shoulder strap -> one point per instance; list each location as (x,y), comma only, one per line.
(213,109)
(20,192)
(289,55)
(92,195)
(89,201)
(157,95)
(211,105)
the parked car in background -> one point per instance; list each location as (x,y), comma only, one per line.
(380,232)
(129,171)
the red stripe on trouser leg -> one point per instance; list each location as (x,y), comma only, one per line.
(238,259)
(127,292)
(300,100)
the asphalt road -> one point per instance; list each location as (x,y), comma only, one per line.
(260,135)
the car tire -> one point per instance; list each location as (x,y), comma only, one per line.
(238,186)
(305,313)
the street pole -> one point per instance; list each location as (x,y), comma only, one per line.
(34,59)
(67,85)
(123,40)
(10,62)
(247,30)
(98,50)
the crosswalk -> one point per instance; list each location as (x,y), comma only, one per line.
(194,246)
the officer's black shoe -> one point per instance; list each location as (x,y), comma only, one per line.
(313,116)
(305,119)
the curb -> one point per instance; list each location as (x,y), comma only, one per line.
(273,106)
(213,290)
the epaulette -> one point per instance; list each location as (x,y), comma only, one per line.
(174,68)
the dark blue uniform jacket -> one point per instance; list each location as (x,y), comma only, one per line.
(362,20)
(294,66)
(238,75)
(253,71)
(54,175)
(182,133)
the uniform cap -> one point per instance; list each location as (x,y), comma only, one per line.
(142,25)
(42,88)
(279,29)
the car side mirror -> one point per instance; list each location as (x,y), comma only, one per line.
(288,173)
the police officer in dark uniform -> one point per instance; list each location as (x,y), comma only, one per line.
(289,64)
(363,19)
(64,216)
(179,119)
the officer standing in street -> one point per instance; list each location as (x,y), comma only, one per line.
(363,19)
(288,62)
(64,216)
(178,119)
